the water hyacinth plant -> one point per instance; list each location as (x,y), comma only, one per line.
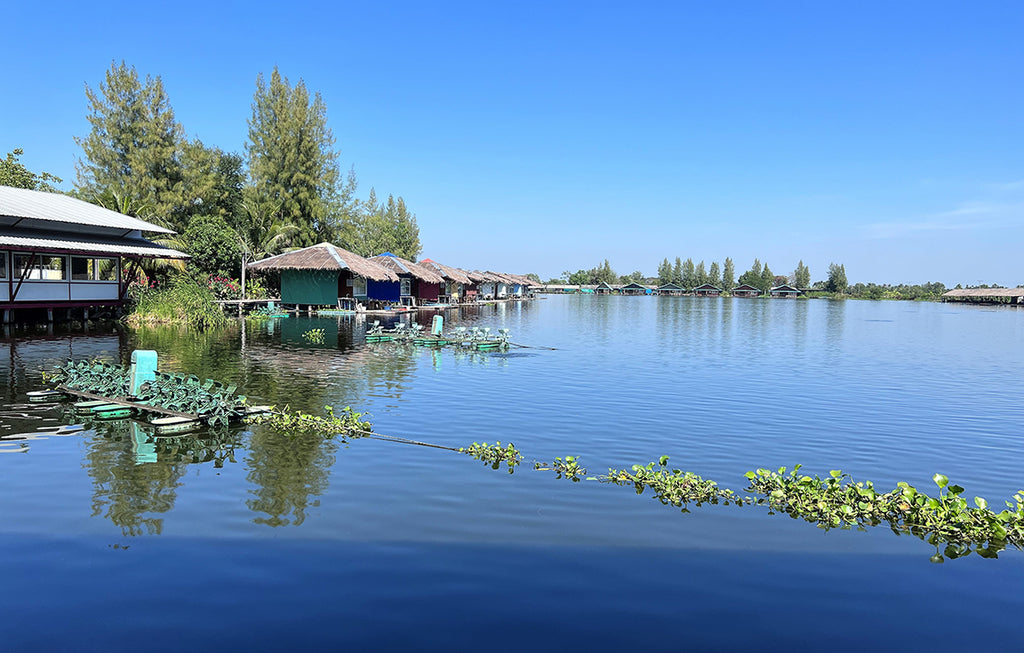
(315,336)
(494,454)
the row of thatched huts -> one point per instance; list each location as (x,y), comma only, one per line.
(327,275)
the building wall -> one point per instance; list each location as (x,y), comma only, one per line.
(428,291)
(317,287)
(388,291)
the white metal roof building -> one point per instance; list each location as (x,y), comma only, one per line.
(58,251)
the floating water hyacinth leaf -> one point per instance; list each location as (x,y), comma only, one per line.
(348,424)
(568,468)
(314,336)
(494,454)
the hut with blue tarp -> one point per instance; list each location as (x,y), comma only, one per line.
(414,284)
(324,275)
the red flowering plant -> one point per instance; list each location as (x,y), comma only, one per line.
(224,288)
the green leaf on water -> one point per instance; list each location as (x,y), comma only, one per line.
(941,480)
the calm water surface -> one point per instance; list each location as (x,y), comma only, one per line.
(114,540)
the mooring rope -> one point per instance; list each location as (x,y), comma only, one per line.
(516,344)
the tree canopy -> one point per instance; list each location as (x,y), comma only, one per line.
(14,173)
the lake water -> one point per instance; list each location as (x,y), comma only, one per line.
(112,540)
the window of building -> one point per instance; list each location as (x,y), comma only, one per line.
(22,262)
(406,286)
(93,269)
(106,269)
(3,265)
(81,269)
(53,268)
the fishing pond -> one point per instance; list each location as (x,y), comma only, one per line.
(115,539)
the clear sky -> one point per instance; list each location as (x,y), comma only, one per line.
(548,136)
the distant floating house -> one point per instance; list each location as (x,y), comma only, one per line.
(746,290)
(707,290)
(488,285)
(472,289)
(784,291)
(604,288)
(453,289)
(635,289)
(60,252)
(324,275)
(416,283)
(985,295)
(670,289)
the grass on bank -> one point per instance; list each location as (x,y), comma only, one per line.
(183,300)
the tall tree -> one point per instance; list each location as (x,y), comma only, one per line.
(664,272)
(604,273)
(700,275)
(133,147)
(213,181)
(689,274)
(715,275)
(291,155)
(767,279)
(836,278)
(802,276)
(677,272)
(14,173)
(728,275)
(752,277)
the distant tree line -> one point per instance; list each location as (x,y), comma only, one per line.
(689,275)
(286,190)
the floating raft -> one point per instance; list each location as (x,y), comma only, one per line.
(328,312)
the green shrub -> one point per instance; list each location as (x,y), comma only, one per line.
(183,301)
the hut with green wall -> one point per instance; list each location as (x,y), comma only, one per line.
(323,275)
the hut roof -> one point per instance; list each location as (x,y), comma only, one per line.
(474,275)
(709,286)
(325,256)
(452,274)
(521,279)
(985,292)
(399,265)
(785,287)
(486,277)
(501,277)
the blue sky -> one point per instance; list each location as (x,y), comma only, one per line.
(542,137)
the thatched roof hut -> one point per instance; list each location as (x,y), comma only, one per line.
(475,276)
(326,256)
(399,265)
(449,273)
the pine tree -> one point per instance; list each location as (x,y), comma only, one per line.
(802,276)
(291,155)
(836,278)
(715,275)
(767,279)
(700,275)
(664,272)
(728,275)
(132,151)
(677,272)
(689,274)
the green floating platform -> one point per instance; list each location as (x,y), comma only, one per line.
(335,311)
(42,396)
(379,338)
(430,342)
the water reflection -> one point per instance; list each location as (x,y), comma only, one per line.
(132,488)
(287,472)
